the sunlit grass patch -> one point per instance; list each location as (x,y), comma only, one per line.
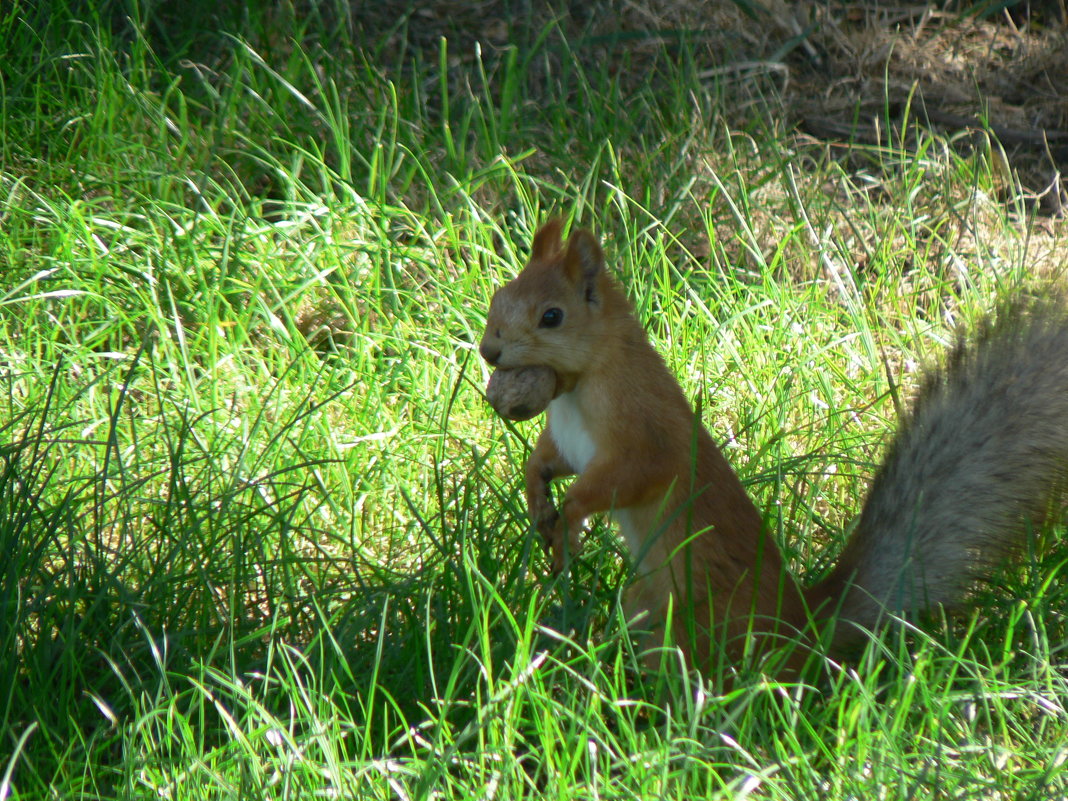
(262,535)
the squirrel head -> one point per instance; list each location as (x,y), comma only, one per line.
(552,312)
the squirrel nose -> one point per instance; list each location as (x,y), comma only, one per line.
(489,353)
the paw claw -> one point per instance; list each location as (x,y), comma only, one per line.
(547,526)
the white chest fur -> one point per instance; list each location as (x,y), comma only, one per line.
(570,432)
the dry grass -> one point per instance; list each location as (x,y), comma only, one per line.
(858,96)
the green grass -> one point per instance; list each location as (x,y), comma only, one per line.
(263,538)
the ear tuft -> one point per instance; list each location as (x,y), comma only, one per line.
(547,241)
(584,260)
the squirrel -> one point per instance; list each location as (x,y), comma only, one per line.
(980,455)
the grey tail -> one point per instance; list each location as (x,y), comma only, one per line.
(978,460)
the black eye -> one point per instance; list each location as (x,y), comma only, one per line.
(552,318)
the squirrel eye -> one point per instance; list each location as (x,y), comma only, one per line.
(552,318)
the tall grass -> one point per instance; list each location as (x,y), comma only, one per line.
(261,536)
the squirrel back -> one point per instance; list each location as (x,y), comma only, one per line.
(980,455)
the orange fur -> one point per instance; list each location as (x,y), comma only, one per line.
(698,541)
(984,449)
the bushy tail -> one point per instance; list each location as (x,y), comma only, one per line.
(979,458)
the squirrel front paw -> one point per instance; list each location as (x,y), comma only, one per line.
(560,544)
(555,539)
(546,523)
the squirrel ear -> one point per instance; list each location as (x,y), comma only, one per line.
(584,262)
(547,240)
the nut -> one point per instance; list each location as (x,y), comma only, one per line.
(521,393)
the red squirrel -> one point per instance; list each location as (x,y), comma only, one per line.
(979,456)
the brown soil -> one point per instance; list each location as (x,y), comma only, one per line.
(845,73)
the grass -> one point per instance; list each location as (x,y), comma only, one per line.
(263,538)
